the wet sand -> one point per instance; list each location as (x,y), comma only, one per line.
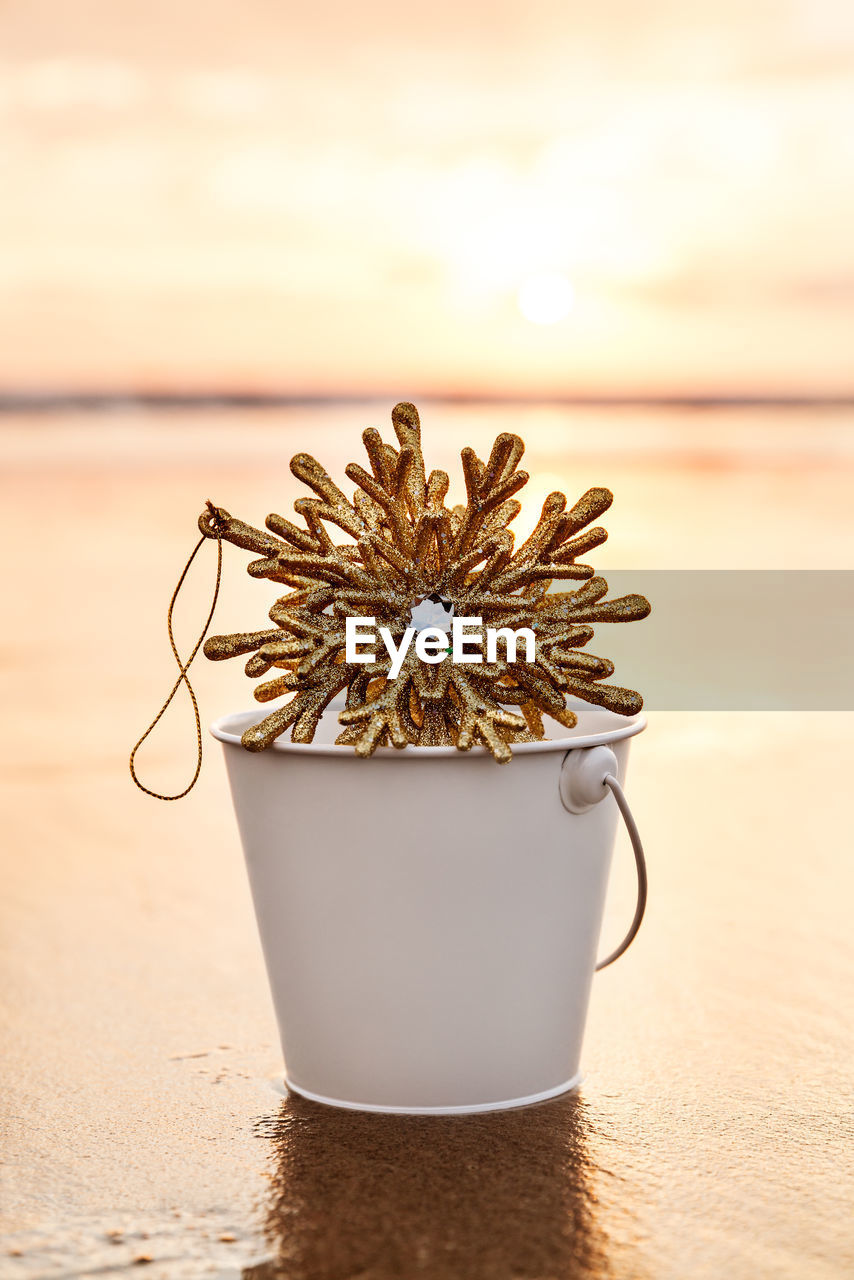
(713,1132)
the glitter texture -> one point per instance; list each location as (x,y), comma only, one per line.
(407,544)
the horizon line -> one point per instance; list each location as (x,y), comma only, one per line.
(112,400)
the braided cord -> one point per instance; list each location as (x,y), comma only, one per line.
(183,668)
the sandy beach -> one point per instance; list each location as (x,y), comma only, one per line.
(141,1122)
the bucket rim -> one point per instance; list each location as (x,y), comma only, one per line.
(228,729)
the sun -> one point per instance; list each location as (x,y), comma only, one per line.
(546,298)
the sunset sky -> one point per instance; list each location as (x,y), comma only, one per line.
(524,198)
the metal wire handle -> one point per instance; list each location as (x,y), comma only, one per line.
(640,864)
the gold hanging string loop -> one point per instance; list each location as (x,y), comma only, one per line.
(183,667)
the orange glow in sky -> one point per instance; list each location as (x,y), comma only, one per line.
(529,198)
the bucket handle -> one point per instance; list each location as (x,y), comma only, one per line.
(586,775)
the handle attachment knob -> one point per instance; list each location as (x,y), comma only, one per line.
(582,777)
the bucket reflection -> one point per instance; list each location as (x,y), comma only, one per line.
(477,1197)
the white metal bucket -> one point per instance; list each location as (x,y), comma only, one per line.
(429,918)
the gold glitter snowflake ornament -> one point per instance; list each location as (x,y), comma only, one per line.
(413,564)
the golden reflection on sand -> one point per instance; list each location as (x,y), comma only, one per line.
(451,1197)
